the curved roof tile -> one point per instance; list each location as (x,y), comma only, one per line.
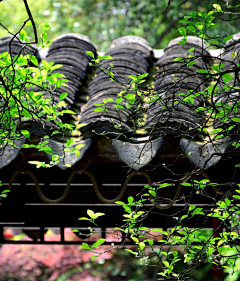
(131,56)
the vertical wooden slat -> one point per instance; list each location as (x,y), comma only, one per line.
(42,234)
(62,234)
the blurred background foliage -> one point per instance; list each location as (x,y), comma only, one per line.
(69,263)
(103,20)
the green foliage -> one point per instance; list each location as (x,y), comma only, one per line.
(20,104)
(197,245)
(104,21)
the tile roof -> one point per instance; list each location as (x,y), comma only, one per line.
(131,55)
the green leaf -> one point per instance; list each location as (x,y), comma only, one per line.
(4,191)
(236,120)
(90,54)
(146,228)
(161,273)
(150,242)
(118,106)
(177,59)
(191,207)
(85,246)
(119,100)
(164,185)
(46,64)
(99,109)
(69,143)
(142,76)
(217,130)
(55,132)
(28,145)
(130,251)
(217,7)
(197,211)
(46,149)
(165,263)
(22,34)
(134,77)
(215,42)
(46,26)
(130,200)
(227,77)
(90,213)
(35,163)
(135,239)
(183,217)
(186,184)
(107,100)
(141,245)
(183,41)
(63,96)
(106,57)
(120,202)
(191,28)
(175,253)
(81,125)
(25,133)
(202,71)
(34,60)
(182,31)
(161,231)
(83,219)
(96,215)
(191,63)
(93,258)
(153,193)
(69,111)
(56,66)
(98,243)
(79,146)
(225,39)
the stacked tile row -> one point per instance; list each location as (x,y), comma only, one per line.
(69,50)
(229,85)
(176,83)
(108,110)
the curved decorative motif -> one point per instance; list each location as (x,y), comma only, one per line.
(38,189)
(92,178)
(137,155)
(98,192)
(111,201)
(12,179)
(176,196)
